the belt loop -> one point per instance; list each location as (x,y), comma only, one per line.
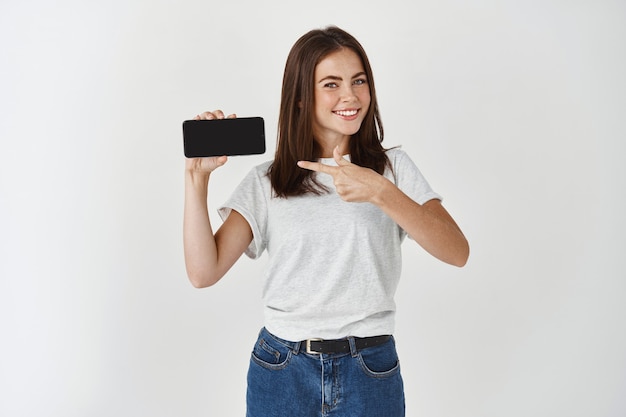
(353,350)
(296,347)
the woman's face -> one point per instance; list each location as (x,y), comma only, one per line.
(342,97)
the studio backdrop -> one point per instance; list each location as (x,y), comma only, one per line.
(513,111)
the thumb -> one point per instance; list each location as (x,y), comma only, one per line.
(341,161)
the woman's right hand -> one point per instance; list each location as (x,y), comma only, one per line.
(204,262)
(209,164)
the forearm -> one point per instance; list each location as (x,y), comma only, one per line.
(198,238)
(429,224)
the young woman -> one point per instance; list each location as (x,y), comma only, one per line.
(331,210)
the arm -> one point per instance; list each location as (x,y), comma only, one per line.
(429,224)
(209,256)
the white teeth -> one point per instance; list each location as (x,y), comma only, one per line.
(346,113)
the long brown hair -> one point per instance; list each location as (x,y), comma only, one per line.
(295,123)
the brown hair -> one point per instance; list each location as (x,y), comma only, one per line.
(295,124)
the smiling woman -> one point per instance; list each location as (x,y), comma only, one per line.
(334,266)
(332,53)
(513,110)
(342,98)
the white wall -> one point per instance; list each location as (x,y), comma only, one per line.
(513,110)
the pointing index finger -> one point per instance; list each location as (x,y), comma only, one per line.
(317,167)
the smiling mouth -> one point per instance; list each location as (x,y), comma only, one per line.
(346,113)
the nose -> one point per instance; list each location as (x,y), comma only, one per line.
(347,92)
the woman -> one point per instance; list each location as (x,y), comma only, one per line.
(331,209)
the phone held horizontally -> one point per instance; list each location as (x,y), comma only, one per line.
(218,137)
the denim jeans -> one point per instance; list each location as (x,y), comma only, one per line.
(284,380)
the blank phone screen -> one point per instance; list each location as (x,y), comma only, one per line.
(240,136)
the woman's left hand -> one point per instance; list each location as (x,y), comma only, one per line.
(352,182)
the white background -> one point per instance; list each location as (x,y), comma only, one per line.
(514,111)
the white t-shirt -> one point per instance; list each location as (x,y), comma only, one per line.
(333,266)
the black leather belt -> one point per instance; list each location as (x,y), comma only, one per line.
(318,346)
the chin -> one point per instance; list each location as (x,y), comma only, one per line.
(353,131)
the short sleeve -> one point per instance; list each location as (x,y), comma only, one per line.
(409,179)
(250,199)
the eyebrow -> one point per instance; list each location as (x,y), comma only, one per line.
(338,78)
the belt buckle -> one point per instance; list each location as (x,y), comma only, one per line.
(308,346)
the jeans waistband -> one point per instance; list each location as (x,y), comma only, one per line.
(335,346)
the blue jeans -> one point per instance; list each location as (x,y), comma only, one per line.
(284,380)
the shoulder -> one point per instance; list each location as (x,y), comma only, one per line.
(263,167)
(256,178)
(403,166)
(396,153)
(398,157)
(261,170)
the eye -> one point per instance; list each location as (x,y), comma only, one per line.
(360,81)
(330,85)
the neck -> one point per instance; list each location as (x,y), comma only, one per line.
(328,146)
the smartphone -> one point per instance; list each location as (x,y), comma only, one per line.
(239,136)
